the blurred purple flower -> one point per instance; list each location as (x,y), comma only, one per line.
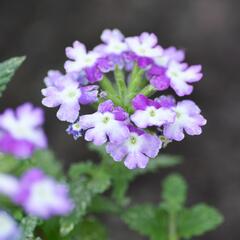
(21,131)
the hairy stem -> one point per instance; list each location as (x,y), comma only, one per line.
(172,230)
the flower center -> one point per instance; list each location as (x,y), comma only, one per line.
(152,113)
(178,114)
(133,140)
(106,119)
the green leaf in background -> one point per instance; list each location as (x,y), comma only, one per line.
(28,225)
(91,229)
(148,220)
(7,70)
(174,193)
(46,160)
(198,220)
(7,163)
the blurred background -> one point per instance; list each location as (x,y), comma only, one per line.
(209,31)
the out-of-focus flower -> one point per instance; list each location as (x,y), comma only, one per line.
(9,229)
(9,185)
(21,131)
(42,196)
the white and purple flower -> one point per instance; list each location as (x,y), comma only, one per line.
(9,185)
(83,61)
(9,230)
(145,47)
(21,131)
(136,149)
(42,196)
(65,91)
(188,119)
(180,75)
(108,123)
(150,113)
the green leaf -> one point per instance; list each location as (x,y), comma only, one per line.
(91,229)
(46,161)
(7,70)
(174,193)
(198,220)
(147,220)
(28,225)
(7,163)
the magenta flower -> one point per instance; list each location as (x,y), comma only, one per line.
(42,196)
(136,149)
(150,113)
(9,230)
(21,131)
(81,60)
(108,123)
(66,92)
(188,119)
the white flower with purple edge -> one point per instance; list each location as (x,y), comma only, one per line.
(180,75)
(21,131)
(150,113)
(114,42)
(136,149)
(66,92)
(9,230)
(168,55)
(82,60)
(188,119)
(42,196)
(108,123)
(75,130)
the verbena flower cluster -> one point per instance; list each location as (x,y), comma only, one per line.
(38,194)
(21,131)
(133,117)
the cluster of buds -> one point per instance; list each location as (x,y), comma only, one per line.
(124,79)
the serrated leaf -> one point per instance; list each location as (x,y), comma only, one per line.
(147,220)
(174,192)
(198,220)
(28,225)
(7,70)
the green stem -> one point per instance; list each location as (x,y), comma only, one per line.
(107,86)
(148,90)
(136,78)
(172,230)
(120,81)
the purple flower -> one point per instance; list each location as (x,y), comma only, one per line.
(157,77)
(168,55)
(145,47)
(66,92)
(188,119)
(150,113)
(81,60)
(21,132)
(9,229)
(8,185)
(180,75)
(166,101)
(136,149)
(42,196)
(108,123)
(114,42)
(75,130)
